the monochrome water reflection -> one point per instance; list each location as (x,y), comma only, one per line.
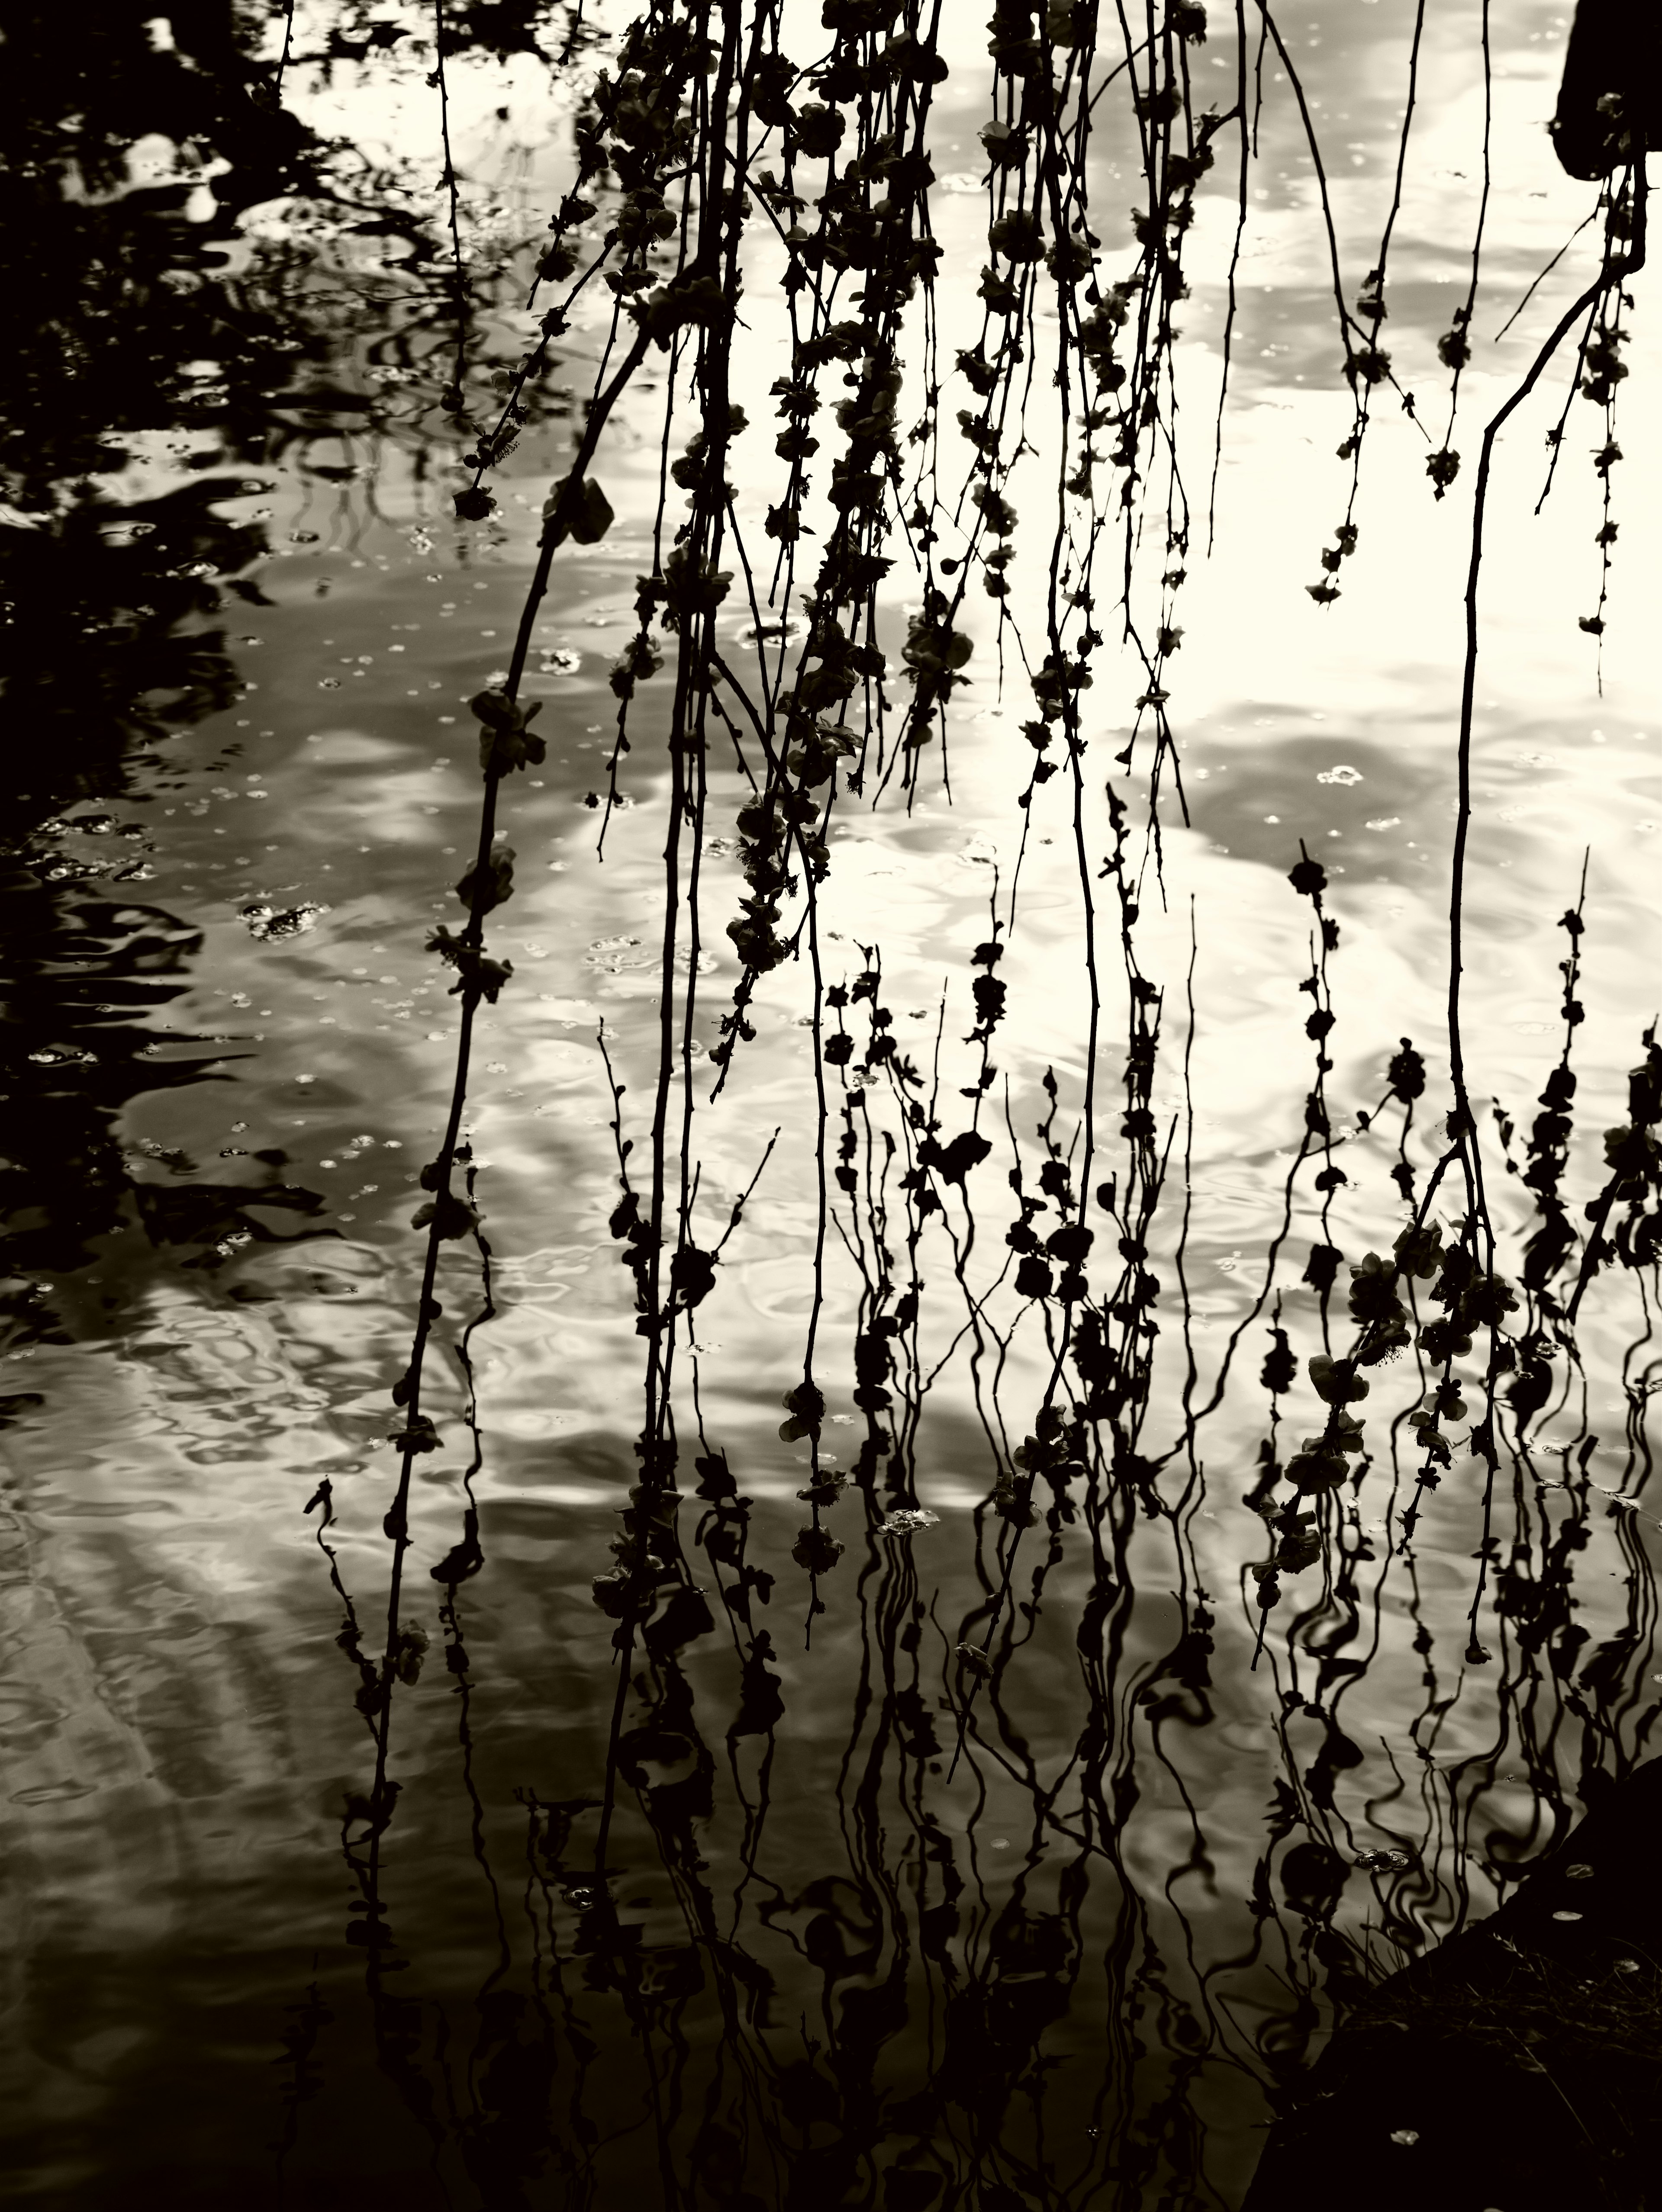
(990,1784)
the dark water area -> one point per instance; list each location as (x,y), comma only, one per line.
(890,1474)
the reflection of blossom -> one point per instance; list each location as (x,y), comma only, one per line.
(907,1522)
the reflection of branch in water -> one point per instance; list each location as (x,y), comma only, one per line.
(306,2079)
(882,2008)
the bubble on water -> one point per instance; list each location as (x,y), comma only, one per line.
(72,871)
(268,924)
(327,683)
(907,1522)
(1343,774)
(1385,822)
(563,662)
(302,537)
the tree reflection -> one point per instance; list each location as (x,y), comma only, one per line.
(928,1912)
(154,336)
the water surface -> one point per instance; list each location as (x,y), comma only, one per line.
(877,1925)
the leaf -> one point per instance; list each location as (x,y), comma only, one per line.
(1016,236)
(1419,1251)
(1004,143)
(817,1550)
(420,1436)
(806,1407)
(1280,1368)
(691,1275)
(1294,1553)
(954,1162)
(585,515)
(1308,879)
(616,1594)
(462,1559)
(506,742)
(1336,1380)
(1406,1074)
(690,299)
(1442,467)
(498,885)
(409,1651)
(475,971)
(454,1216)
(818,132)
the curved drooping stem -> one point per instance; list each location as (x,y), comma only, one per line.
(1612,274)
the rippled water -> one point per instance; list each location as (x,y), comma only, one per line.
(874,1930)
